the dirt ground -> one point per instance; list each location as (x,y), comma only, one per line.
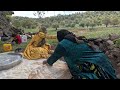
(34,69)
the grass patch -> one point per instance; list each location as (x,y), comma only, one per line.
(97,32)
(30,30)
(52,42)
(101,32)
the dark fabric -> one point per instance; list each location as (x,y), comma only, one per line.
(15,40)
(58,53)
(83,53)
(61,34)
(41,43)
(18,50)
(5,35)
(70,37)
(65,34)
(87,67)
(5,38)
(76,55)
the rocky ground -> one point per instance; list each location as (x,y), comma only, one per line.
(34,69)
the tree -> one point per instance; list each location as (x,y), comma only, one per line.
(46,25)
(62,23)
(87,24)
(82,19)
(106,21)
(55,26)
(72,25)
(115,21)
(27,23)
(34,25)
(67,25)
(40,14)
(97,21)
(16,23)
(92,24)
(82,24)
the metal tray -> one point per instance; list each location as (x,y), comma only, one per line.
(9,60)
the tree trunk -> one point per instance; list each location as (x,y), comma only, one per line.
(56,29)
(106,25)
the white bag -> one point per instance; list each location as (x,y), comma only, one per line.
(24,38)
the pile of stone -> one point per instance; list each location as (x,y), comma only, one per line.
(110,49)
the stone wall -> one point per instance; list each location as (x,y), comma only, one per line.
(109,47)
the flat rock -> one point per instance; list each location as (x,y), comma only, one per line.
(118,76)
(58,71)
(28,69)
(113,36)
(110,42)
(118,64)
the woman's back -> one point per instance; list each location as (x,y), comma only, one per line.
(78,53)
(79,50)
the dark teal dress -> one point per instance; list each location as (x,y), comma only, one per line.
(83,61)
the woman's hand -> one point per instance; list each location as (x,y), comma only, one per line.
(45,63)
(51,52)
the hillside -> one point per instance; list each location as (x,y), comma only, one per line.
(86,19)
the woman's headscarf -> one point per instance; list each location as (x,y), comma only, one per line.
(42,29)
(65,34)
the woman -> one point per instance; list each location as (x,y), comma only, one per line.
(84,61)
(37,47)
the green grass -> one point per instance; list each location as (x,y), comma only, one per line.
(30,30)
(52,42)
(93,33)
(23,45)
(96,32)
(101,32)
(51,31)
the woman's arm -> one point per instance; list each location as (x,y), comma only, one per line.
(58,53)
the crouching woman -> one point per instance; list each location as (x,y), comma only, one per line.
(84,61)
